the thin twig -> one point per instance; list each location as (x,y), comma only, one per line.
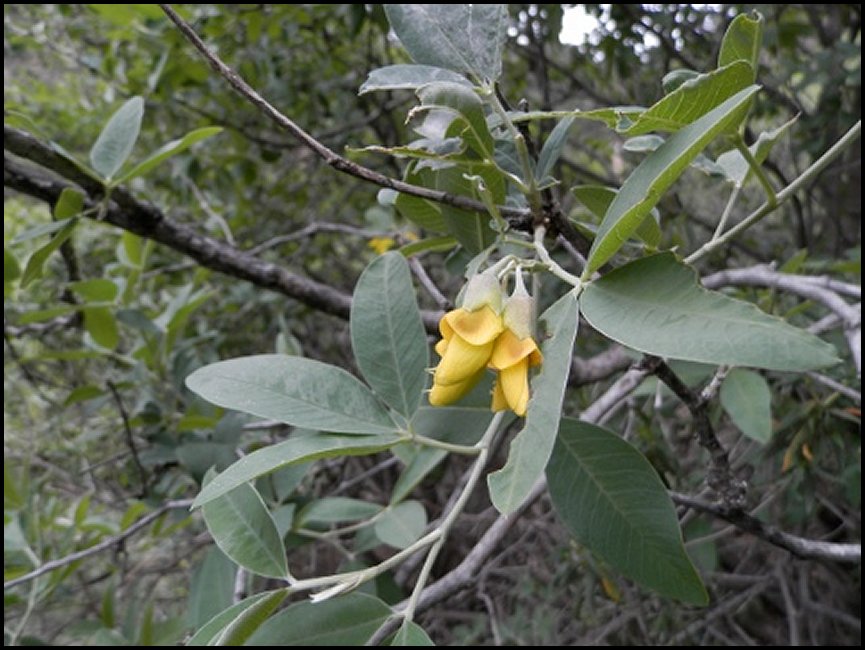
(130,441)
(855,395)
(328,155)
(104,545)
(427,283)
(789,607)
(312,229)
(766,208)
(720,477)
(798,546)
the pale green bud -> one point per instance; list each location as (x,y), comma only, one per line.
(483,290)
(519,309)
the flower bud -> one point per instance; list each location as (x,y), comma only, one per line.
(519,309)
(483,289)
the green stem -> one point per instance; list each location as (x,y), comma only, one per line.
(757,168)
(441,444)
(352,579)
(530,187)
(550,263)
(445,526)
(728,210)
(803,179)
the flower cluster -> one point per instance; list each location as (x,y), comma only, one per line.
(482,334)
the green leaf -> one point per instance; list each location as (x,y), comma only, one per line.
(408,77)
(736,168)
(198,456)
(402,524)
(465,109)
(615,117)
(411,634)
(612,501)
(643,143)
(168,150)
(430,244)
(117,139)
(344,620)
(102,327)
(598,198)
(294,390)
(472,229)
(242,527)
(95,290)
(70,204)
(387,335)
(531,447)
(462,38)
(742,41)
(290,452)
(212,587)
(11,268)
(425,214)
(41,229)
(82,394)
(645,186)
(693,99)
(133,250)
(746,397)
(455,424)
(36,261)
(247,622)
(422,463)
(676,78)
(332,510)
(553,148)
(212,628)
(463,425)
(655,305)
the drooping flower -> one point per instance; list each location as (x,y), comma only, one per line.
(476,336)
(468,336)
(514,352)
(512,357)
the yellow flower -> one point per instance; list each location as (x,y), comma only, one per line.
(476,337)
(512,357)
(381,245)
(467,344)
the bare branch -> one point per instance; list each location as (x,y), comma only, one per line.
(855,395)
(104,545)
(720,477)
(798,546)
(141,218)
(599,367)
(427,283)
(130,441)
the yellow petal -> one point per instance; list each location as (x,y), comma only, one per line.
(500,402)
(461,360)
(441,347)
(442,395)
(477,327)
(509,350)
(515,386)
(444,327)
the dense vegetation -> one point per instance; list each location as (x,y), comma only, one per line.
(243,241)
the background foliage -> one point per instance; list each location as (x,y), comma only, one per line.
(100,430)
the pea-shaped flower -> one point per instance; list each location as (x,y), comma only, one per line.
(514,352)
(468,337)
